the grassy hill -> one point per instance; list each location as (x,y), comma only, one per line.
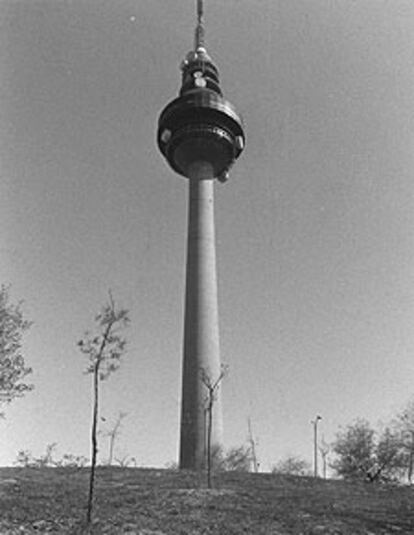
(156,502)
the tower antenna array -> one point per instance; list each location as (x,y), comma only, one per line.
(199,40)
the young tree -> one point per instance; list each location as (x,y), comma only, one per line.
(103,349)
(13,370)
(24,458)
(69,460)
(354,448)
(390,457)
(404,426)
(252,443)
(362,452)
(113,434)
(324,449)
(212,386)
(48,458)
(126,460)
(237,459)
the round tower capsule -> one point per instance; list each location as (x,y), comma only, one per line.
(200,125)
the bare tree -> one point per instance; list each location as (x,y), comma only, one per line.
(237,459)
(104,349)
(324,449)
(48,458)
(24,458)
(252,443)
(126,460)
(315,422)
(212,386)
(113,433)
(13,370)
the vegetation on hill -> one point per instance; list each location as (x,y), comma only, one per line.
(13,369)
(164,502)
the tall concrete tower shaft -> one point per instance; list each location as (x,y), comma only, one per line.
(201,135)
(201,327)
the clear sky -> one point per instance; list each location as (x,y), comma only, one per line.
(315,228)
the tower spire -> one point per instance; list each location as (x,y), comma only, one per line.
(199,41)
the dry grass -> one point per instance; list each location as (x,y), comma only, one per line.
(164,502)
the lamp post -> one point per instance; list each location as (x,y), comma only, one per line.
(315,444)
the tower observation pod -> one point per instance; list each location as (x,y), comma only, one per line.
(201,135)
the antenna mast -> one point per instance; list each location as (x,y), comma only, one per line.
(199,32)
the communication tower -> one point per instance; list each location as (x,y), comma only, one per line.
(201,135)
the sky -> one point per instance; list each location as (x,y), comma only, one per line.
(315,228)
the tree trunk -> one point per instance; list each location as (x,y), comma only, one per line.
(94,440)
(411,459)
(209,428)
(111,448)
(112,437)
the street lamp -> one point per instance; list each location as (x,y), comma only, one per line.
(315,444)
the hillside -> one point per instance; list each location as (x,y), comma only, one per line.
(157,502)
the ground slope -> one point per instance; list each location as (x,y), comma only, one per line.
(163,502)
